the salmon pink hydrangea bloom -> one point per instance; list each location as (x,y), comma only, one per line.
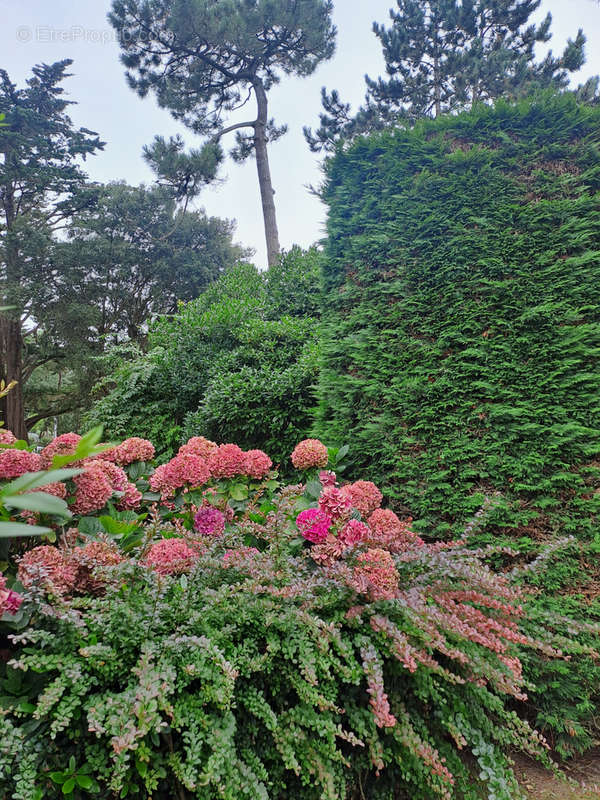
(314,525)
(47,566)
(335,503)
(7,437)
(310,453)
(132,498)
(179,471)
(93,489)
(257,464)
(376,574)
(64,445)
(14,463)
(199,446)
(133,449)
(170,557)
(327,477)
(209,521)
(353,532)
(114,474)
(56,489)
(364,496)
(227,461)
(390,532)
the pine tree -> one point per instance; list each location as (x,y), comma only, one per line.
(445,55)
(205,58)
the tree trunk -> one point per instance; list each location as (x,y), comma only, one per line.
(11,348)
(264,175)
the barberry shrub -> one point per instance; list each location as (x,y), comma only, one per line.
(260,640)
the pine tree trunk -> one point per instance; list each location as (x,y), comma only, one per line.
(264,175)
(11,352)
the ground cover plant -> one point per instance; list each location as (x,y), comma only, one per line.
(203,629)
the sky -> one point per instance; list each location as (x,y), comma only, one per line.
(35,31)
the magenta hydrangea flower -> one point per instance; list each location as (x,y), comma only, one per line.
(14,463)
(310,453)
(314,525)
(10,601)
(209,521)
(170,557)
(327,477)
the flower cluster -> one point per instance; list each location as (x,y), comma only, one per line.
(257,464)
(388,531)
(209,521)
(364,496)
(199,446)
(314,525)
(227,461)
(170,557)
(186,469)
(14,463)
(310,453)
(131,450)
(7,437)
(63,445)
(375,574)
(93,489)
(335,503)
(10,601)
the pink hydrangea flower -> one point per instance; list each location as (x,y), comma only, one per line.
(314,525)
(132,498)
(14,463)
(310,453)
(185,469)
(86,559)
(170,557)
(133,449)
(209,521)
(388,531)
(10,601)
(63,445)
(116,476)
(335,503)
(48,567)
(56,489)
(199,446)
(93,489)
(364,496)
(227,461)
(353,532)
(327,477)
(257,464)
(7,437)
(376,574)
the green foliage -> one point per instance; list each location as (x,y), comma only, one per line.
(444,56)
(238,364)
(462,341)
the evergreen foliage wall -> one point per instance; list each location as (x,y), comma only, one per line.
(461,349)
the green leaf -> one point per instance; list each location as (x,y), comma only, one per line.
(33,480)
(68,786)
(239,492)
(85,782)
(40,502)
(8,530)
(58,777)
(343,451)
(313,489)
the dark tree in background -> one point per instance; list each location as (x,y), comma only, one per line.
(206,58)
(41,185)
(444,56)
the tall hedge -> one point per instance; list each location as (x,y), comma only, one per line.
(462,313)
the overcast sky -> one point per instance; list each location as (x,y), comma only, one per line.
(34,31)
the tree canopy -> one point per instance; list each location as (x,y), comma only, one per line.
(204,59)
(443,56)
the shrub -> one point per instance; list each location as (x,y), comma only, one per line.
(250,658)
(243,357)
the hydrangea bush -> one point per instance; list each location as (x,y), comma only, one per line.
(201,630)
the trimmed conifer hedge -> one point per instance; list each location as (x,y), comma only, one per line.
(462,314)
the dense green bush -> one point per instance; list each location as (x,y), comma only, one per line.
(461,353)
(237,364)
